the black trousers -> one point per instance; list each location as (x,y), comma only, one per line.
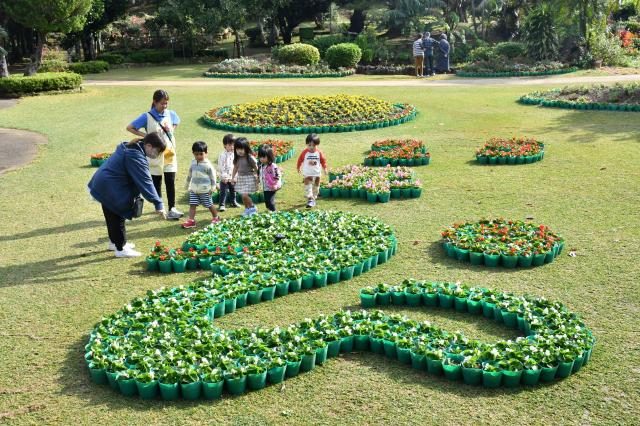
(170,184)
(270,200)
(428,65)
(115,228)
(227,193)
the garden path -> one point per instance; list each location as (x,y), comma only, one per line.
(17,147)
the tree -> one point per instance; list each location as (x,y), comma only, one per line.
(292,13)
(4,70)
(540,34)
(46,16)
(101,14)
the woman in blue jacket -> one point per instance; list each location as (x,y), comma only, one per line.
(123,177)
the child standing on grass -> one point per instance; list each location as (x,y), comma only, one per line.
(200,182)
(225,167)
(245,174)
(164,121)
(311,163)
(270,176)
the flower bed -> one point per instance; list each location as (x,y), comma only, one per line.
(618,97)
(502,242)
(165,344)
(98,160)
(310,114)
(521,150)
(283,150)
(253,68)
(515,73)
(398,152)
(371,184)
(557,342)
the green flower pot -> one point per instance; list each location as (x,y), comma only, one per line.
(452,372)
(430,299)
(531,377)
(346,273)
(127,387)
(191,391)
(320,280)
(383,299)
(98,376)
(368,300)
(377,345)
(236,386)
(460,304)
(257,381)
(346,344)
(169,391)
(525,261)
(229,305)
(434,366)
(405,192)
(333,277)
(474,306)
(357,269)
(416,192)
(204,263)
(212,391)
(510,319)
(445,300)
(413,299)
(372,197)
(361,342)
(152,263)
(491,379)
(384,197)
(462,254)
(509,262)
(564,369)
(476,258)
(321,355)
(472,376)
(548,374)
(395,193)
(404,355)
(307,281)
(390,349)
(241,300)
(164,266)
(282,289)
(511,379)
(333,348)
(295,285)
(268,293)
(192,263)
(276,374)
(491,260)
(254,296)
(538,259)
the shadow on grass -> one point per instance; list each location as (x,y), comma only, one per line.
(47,271)
(54,230)
(437,254)
(594,125)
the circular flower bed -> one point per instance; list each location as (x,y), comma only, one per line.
(489,74)
(98,159)
(283,150)
(502,242)
(544,355)
(310,114)
(398,152)
(521,150)
(371,184)
(619,97)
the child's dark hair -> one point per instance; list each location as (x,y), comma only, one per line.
(312,138)
(228,139)
(199,146)
(159,95)
(241,143)
(266,151)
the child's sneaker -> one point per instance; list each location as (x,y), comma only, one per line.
(221,208)
(112,246)
(246,212)
(311,203)
(215,220)
(189,223)
(127,252)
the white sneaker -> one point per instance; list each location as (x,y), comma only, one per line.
(112,246)
(127,252)
(174,214)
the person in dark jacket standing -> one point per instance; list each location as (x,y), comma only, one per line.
(428,44)
(117,183)
(443,57)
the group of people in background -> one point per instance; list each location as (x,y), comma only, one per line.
(138,168)
(424,48)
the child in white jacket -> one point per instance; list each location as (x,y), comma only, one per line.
(201,182)
(225,168)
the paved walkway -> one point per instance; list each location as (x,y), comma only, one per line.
(17,147)
(346,82)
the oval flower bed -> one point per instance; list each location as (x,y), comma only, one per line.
(484,74)
(398,152)
(521,150)
(283,150)
(371,184)
(166,345)
(618,97)
(98,159)
(502,242)
(310,114)
(252,68)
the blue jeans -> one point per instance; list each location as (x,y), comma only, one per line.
(227,193)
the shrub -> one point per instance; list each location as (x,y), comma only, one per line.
(111,58)
(483,53)
(606,48)
(325,42)
(345,55)
(89,67)
(540,34)
(298,54)
(510,49)
(150,56)
(16,86)
(53,65)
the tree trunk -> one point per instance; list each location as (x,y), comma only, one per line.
(4,69)
(36,59)
(273,33)
(473,16)
(357,20)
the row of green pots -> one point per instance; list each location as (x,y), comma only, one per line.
(394,162)
(309,129)
(372,197)
(601,106)
(512,159)
(515,73)
(96,162)
(493,260)
(279,75)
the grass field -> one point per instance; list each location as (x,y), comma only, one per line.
(57,279)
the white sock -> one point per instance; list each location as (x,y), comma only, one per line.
(316,191)
(308,190)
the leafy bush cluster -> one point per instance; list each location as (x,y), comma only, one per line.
(89,67)
(298,54)
(16,86)
(254,66)
(345,55)
(150,56)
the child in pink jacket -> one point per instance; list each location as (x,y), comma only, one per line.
(270,176)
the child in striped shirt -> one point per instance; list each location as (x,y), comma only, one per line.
(201,182)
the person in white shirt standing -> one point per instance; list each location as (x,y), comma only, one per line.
(200,182)
(311,163)
(418,54)
(225,168)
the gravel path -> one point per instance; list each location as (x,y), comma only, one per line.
(17,147)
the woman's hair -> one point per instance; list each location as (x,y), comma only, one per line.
(241,143)
(159,95)
(313,138)
(199,146)
(228,139)
(266,151)
(154,139)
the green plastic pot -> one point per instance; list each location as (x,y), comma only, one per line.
(491,260)
(268,293)
(434,366)
(382,257)
(416,192)
(169,391)
(404,355)
(321,354)
(493,160)
(445,300)
(282,289)
(564,369)
(377,345)
(361,342)
(333,348)
(373,261)
(474,306)
(372,197)
(510,319)
(395,193)
(295,285)
(346,273)
(276,374)
(127,387)
(405,193)
(368,300)
(204,263)
(509,262)
(357,269)
(491,379)
(152,263)
(346,344)
(487,309)
(531,377)
(98,376)
(218,309)
(549,257)
(229,305)
(577,363)
(147,390)
(333,277)
(462,254)
(511,379)
(476,258)
(452,371)
(307,281)
(257,381)
(191,391)
(430,299)
(320,280)
(390,349)
(548,374)
(460,304)
(241,300)
(472,376)
(236,386)
(113,382)
(212,391)
(397,298)
(384,197)
(383,299)
(413,299)
(450,249)
(164,266)
(192,263)
(538,259)
(525,261)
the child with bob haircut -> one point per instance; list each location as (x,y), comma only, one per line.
(311,163)
(245,174)
(270,176)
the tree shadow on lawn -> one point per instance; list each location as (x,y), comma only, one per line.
(54,230)
(437,254)
(595,124)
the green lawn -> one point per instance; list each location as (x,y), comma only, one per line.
(57,279)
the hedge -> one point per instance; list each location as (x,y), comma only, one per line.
(89,67)
(514,73)
(150,56)
(345,55)
(16,86)
(111,58)
(298,54)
